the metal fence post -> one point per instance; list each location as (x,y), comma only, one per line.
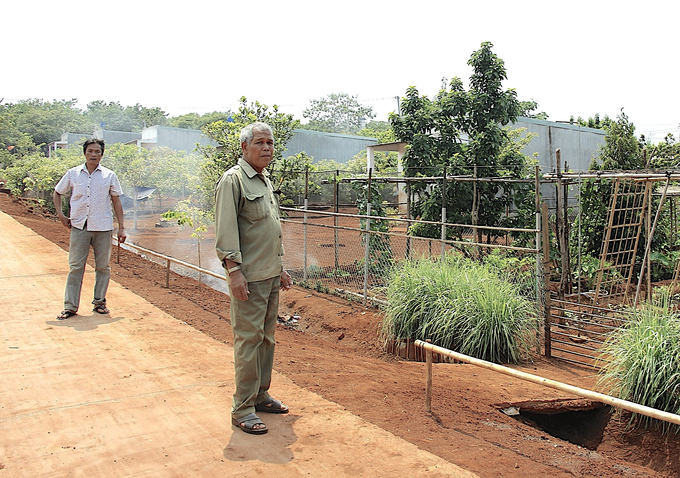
(304,241)
(546,277)
(368,235)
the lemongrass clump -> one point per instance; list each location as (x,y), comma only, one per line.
(640,362)
(460,305)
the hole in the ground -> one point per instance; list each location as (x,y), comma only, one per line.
(579,421)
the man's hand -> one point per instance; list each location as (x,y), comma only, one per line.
(286,281)
(65,221)
(121,235)
(238,286)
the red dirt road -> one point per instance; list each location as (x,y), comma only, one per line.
(335,355)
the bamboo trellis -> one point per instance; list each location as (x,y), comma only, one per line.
(619,248)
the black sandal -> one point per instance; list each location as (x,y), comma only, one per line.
(272,406)
(65,314)
(101,309)
(248,423)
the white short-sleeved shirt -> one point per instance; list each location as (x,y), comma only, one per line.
(90,196)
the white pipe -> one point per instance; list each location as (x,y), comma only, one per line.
(581,392)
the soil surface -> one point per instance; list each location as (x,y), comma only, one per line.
(333,349)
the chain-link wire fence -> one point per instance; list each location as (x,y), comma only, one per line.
(330,251)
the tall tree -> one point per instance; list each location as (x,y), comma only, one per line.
(227,133)
(116,117)
(337,113)
(460,132)
(196,121)
(42,121)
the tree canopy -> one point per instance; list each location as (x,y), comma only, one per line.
(462,133)
(226,133)
(337,113)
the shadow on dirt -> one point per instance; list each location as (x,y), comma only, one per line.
(84,323)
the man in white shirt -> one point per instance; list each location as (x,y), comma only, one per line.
(94,189)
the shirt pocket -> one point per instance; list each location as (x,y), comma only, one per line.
(80,191)
(256,207)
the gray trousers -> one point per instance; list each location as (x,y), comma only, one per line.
(79,248)
(254,324)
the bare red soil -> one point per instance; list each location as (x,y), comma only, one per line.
(335,351)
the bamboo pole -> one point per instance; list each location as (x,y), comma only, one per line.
(367,235)
(546,278)
(650,236)
(304,234)
(428,381)
(336,208)
(563,387)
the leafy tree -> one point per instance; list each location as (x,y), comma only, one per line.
(384,161)
(621,151)
(174,173)
(196,121)
(227,133)
(34,175)
(115,117)
(456,132)
(665,154)
(188,215)
(337,113)
(528,109)
(41,121)
(594,122)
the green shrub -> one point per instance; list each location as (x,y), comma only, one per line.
(459,305)
(640,362)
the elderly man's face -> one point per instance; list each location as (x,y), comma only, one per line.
(260,151)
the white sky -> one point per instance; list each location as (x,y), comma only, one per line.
(574,58)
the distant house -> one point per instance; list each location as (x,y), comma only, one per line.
(177,139)
(578,145)
(318,145)
(338,147)
(70,140)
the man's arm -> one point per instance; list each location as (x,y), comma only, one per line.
(56,199)
(118,210)
(227,240)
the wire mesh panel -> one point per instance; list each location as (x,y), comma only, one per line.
(349,253)
(619,247)
(328,252)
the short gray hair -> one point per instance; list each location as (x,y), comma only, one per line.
(247,132)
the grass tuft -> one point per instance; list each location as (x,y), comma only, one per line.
(640,362)
(460,305)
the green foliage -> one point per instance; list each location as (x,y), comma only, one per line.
(289,178)
(186,214)
(520,271)
(593,122)
(528,108)
(337,113)
(641,361)
(434,130)
(460,305)
(663,264)
(226,133)
(196,121)
(40,121)
(116,117)
(35,175)
(621,151)
(665,154)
